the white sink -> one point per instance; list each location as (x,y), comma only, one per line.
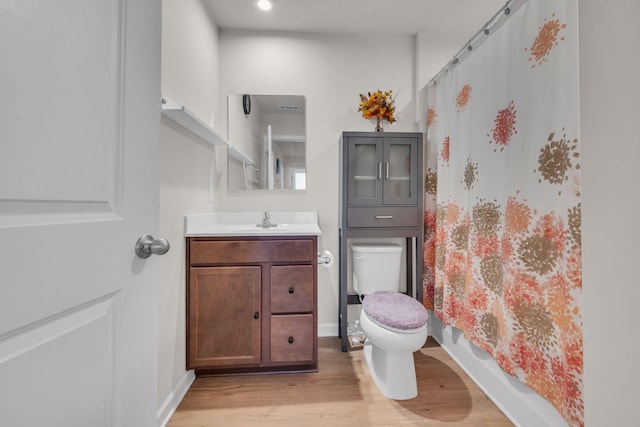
(249,224)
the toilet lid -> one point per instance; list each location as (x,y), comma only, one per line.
(395,310)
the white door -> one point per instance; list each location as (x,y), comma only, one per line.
(79,126)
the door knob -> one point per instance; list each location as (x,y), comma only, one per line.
(147,245)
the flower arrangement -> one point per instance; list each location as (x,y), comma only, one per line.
(378,105)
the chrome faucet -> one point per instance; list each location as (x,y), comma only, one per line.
(266,221)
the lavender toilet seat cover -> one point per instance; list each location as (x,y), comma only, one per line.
(395,310)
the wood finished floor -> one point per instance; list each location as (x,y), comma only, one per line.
(341,394)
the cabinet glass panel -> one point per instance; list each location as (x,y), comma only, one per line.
(365,171)
(399,170)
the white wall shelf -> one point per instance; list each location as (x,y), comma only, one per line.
(239,155)
(185,118)
(190,121)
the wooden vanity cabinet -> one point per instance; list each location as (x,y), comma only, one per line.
(251,304)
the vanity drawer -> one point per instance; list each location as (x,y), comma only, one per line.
(291,289)
(292,338)
(392,216)
(206,252)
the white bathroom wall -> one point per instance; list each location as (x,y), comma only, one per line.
(609,94)
(331,71)
(190,57)
(189,77)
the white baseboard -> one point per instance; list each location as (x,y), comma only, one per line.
(523,406)
(172,401)
(328,329)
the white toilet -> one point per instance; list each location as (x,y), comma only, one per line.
(394,324)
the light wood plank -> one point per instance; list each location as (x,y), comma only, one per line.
(342,393)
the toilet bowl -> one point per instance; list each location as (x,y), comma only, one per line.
(394,324)
(388,348)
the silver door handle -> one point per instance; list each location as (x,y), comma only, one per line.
(147,245)
(387,173)
(379,170)
(384,216)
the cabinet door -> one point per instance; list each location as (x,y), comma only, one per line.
(224,317)
(364,170)
(399,169)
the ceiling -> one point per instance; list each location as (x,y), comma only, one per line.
(438,18)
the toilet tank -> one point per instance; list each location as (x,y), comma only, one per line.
(376,267)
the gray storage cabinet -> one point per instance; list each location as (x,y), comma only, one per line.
(381,195)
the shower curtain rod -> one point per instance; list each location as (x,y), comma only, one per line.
(493,24)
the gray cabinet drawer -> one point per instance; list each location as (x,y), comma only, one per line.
(384,217)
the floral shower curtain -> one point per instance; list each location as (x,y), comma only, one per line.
(502,220)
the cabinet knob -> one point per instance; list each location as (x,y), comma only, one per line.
(256,315)
(291,290)
(290,340)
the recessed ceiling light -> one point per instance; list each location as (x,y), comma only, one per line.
(265,5)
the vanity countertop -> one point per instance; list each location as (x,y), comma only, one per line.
(249,224)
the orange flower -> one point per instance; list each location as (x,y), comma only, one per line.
(378,105)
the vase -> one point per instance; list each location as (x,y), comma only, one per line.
(379,124)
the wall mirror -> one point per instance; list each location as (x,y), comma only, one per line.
(268,135)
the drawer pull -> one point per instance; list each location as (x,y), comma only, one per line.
(291,290)
(256,315)
(384,216)
(290,340)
